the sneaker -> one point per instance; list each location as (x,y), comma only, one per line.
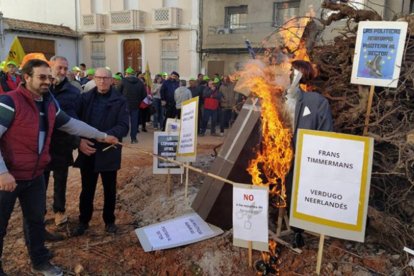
(48,269)
(80,229)
(60,218)
(134,141)
(53,237)
(111,228)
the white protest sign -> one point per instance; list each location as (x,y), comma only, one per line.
(250,215)
(378,53)
(175,232)
(187,144)
(331,183)
(165,145)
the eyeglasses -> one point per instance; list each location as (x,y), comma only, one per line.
(44,77)
(98,78)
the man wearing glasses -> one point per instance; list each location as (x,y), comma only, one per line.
(106,109)
(28,116)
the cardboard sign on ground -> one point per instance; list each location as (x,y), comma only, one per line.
(331,183)
(186,229)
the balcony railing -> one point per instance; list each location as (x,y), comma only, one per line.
(129,20)
(94,23)
(240,28)
(167,18)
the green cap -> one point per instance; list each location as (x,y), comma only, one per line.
(216,80)
(164,74)
(2,64)
(76,69)
(90,71)
(206,78)
(117,77)
(192,79)
(11,62)
(129,70)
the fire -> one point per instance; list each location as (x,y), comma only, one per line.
(273,160)
(291,34)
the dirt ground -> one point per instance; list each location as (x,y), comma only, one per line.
(142,200)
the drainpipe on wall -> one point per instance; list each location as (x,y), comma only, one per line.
(2,38)
(200,35)
(77,32)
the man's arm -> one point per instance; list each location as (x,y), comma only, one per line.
(7,181)
(79,128)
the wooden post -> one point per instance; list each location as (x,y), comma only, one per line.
(186,181)
(169,183)
(281,213)
(250,253)
(320,253)
(369,107)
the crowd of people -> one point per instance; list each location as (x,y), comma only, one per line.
(48,110)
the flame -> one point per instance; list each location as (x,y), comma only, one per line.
(273,160)
(291,34)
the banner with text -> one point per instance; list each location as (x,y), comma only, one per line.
(250,216)
(378,53)
(187,144)
(165,145)
(331,183)
(176,232)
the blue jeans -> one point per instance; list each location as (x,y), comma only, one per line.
(158,116)
(32,198)
(133,118)
(206,116)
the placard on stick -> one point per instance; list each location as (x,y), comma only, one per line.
(187,144)
(250,216)
(378,53)
(331,183)
(165,145)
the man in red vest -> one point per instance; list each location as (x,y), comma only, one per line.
(28,116)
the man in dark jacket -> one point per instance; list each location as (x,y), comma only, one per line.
(106,109)
(62,144)
(10,80)
(134,91)
(28,116)
(167,96)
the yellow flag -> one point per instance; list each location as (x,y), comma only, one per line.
(147,76)
(16,52)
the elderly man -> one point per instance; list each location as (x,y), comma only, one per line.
(62,144)
(106,109)
(28,116)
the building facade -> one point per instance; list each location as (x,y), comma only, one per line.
(227,24)
(123,33)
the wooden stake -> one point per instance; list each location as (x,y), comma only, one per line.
(281,213)
(320,253)
(169,183)
(369,107)
(250,253)
(186,182)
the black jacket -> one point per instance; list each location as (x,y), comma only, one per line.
(115,121)
(134,91)
(62,144)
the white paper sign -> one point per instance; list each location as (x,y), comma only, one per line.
(175,232)
(331,183)
(250,213)
(187,145)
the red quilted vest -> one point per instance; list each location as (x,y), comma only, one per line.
(19,144)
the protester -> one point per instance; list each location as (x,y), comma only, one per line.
(158,116)
(62,144)
(228,101)
(106,109)
(134,91)
(117,79)
(10,80)
(181,94)
(199,91)
(212,97)
(28,116)
(318,118)
(167,96)
(145,106)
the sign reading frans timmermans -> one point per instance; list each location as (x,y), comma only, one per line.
(331,183)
